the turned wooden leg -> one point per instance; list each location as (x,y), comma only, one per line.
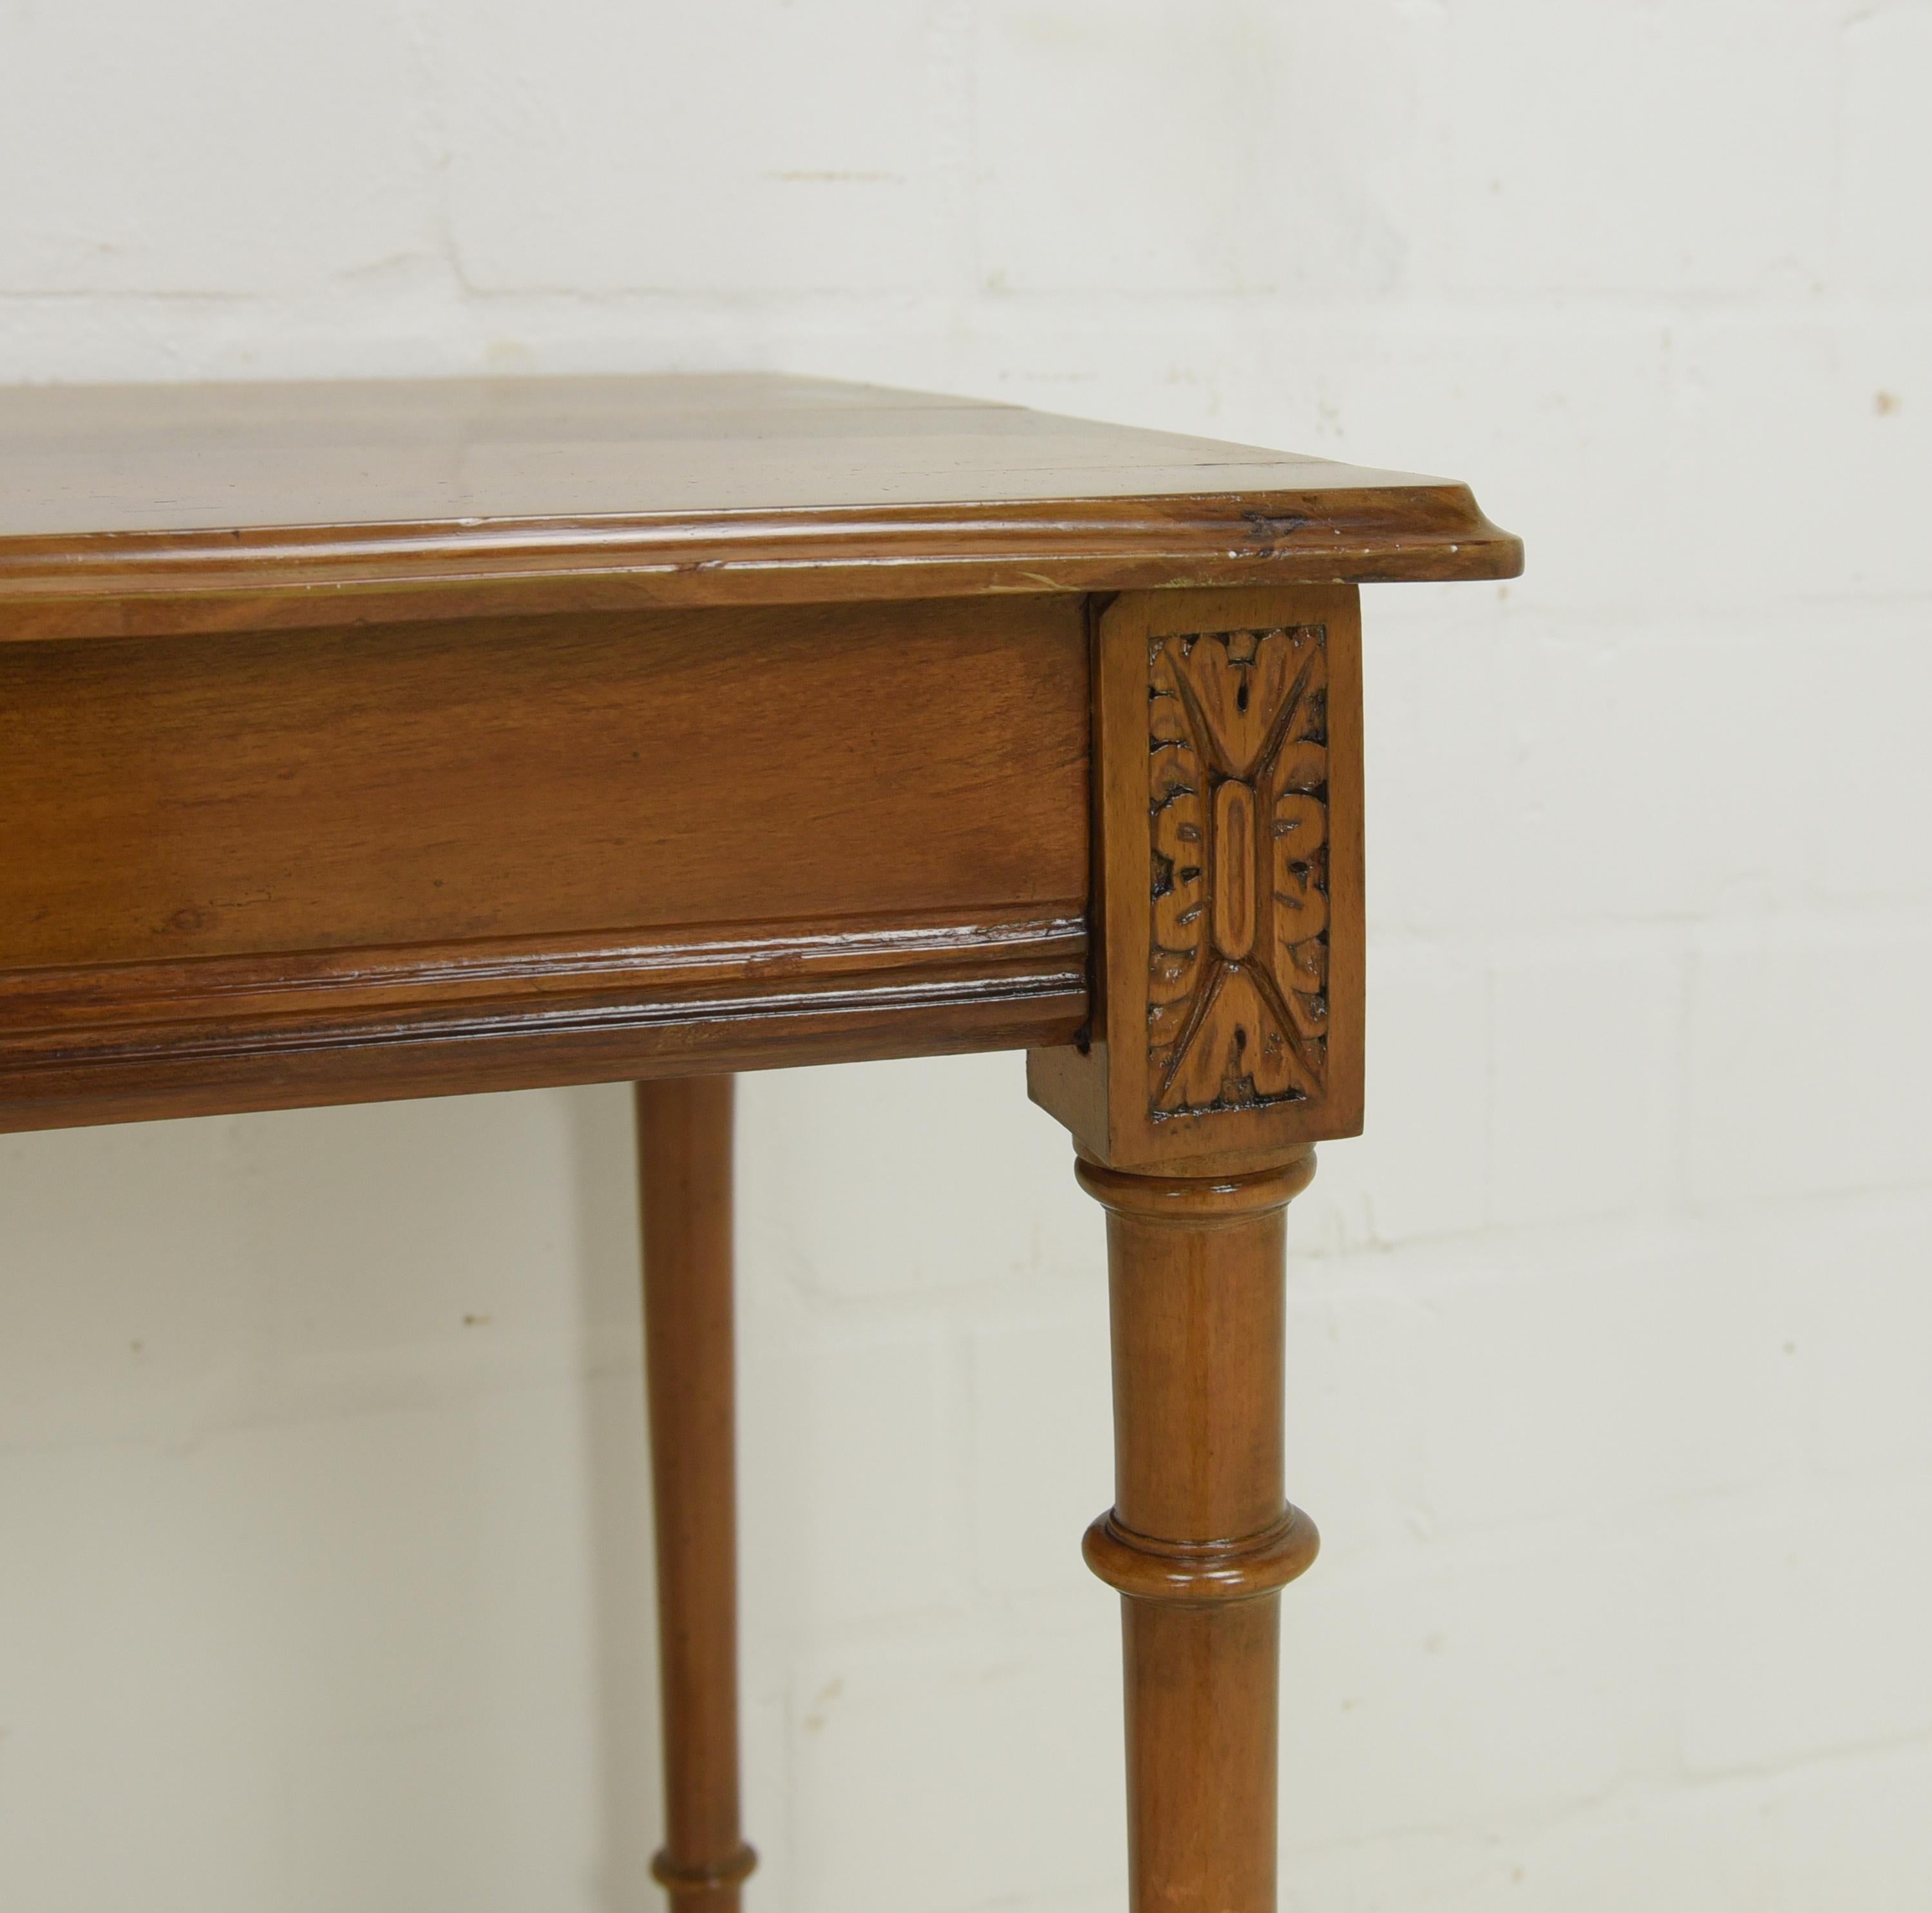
(1200,1540)
(684,1164)
(1226,1041)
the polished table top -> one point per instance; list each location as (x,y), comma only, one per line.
(382,739)
(153,507)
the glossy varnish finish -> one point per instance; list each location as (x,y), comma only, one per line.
(1228,1038)
(157,509)
(1210,1043)
(428,784)
(1200,1540)
(684,1161)
(524,850)
(366,741)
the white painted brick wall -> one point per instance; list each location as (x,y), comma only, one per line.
(323,1579)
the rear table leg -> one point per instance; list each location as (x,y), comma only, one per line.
(684,1163)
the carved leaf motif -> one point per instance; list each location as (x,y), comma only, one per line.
(1241,680)
(1180,858)
(1240,1026)
(1238,1050)
(1300,830)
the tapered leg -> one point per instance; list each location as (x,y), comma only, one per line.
(684,1163)
(1200,1540)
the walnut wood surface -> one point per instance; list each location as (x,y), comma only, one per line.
(503,778)
(1228,788)
(684,1161)
(153,509)
(1201,1539)
(360,741)
(254,869)
(1228,1037)
(420,849)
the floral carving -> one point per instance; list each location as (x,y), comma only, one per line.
(1237,1012)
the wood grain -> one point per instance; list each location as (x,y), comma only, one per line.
(139,510)
(1228,886)
(511,778)
(1238,942)
(246,871)
(380,740)
(130,1042)
(1201,1539)
(685,1179)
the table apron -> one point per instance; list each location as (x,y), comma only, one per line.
(252,870)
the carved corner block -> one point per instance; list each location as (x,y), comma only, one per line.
(1227,889)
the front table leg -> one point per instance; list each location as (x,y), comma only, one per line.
(684,1162)
(1226,1041)
(1200,1540)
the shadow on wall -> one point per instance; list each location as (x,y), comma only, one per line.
(324,1504)
(623,1594)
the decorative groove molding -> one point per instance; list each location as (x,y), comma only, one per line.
(157,584)
(1238,1008)
(1198,1574)
(676,1879)
(152,1039)
(1196,1202)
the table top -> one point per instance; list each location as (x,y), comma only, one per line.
(400,740)
(137,507)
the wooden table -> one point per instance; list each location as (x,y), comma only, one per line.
(365,741)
